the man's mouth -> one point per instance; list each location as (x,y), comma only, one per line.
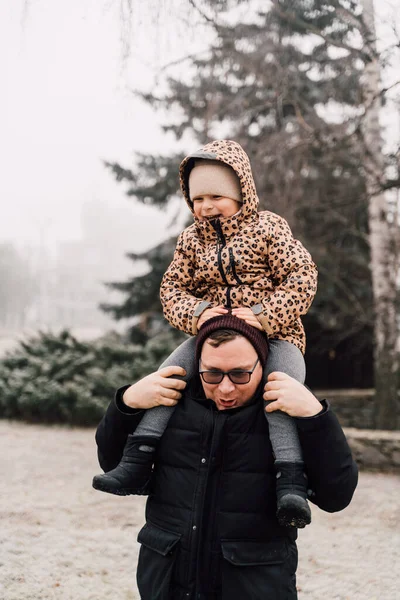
(227,402)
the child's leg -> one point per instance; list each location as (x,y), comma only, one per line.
(155,421)
(291,489)
(132,475)
(287,358)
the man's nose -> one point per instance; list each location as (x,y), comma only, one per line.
(226,385)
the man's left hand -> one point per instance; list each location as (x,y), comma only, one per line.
(290,396)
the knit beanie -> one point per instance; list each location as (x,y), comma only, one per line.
(257,338)
(212,177)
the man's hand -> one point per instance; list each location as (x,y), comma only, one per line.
(247,315)
(209,313)
(156,389)
(290,396)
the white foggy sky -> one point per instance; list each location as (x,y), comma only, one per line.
(65,105)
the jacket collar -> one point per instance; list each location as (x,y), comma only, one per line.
(223,228)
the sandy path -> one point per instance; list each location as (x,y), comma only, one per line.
(60,539)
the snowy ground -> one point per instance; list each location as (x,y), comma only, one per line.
(60,539)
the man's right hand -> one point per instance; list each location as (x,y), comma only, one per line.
(156,389)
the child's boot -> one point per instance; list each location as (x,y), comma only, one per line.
(133,474)
(291,493)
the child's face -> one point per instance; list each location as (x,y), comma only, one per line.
(208,206)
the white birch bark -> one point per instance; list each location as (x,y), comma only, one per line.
(382,246)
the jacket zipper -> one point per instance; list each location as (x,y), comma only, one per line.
(233,266)
(212,525)
(228,298)
(221,243)
(214,416)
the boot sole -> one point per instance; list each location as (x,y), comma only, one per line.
(293,511)
(103,487)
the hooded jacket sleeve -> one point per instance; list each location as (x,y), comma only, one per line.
(332,472)
(294,276)
(113,430)
(181,307)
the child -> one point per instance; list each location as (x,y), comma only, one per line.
(238,260)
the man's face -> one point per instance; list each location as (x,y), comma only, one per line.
(235,354)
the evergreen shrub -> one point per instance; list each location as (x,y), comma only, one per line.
(55,378)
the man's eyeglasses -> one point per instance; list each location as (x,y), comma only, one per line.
(237,376)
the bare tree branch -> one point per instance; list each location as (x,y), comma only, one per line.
(202,13)
(352,298)
(291,17)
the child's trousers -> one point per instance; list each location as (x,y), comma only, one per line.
(283,356)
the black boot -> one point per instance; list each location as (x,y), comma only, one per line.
(132,475)
(291,494)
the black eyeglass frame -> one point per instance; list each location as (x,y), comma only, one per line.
(229,374)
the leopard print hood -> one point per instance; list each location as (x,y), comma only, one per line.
(232,154)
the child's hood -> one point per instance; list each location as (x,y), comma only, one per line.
(232,154)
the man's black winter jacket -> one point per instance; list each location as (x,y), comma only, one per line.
(211,531)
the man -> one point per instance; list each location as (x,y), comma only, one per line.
(212,531)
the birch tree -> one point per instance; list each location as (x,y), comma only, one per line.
(382,239)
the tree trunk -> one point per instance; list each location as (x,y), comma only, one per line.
(383,251)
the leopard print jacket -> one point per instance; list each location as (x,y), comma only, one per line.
(248,259)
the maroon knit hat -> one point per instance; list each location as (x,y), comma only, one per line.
(256,337)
